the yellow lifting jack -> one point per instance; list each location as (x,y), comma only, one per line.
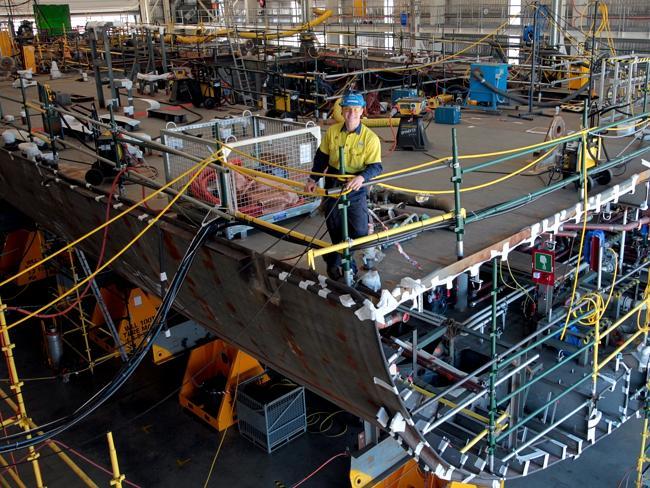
(135,310)
(21,250)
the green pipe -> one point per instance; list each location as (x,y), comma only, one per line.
(479,215)
(493,370)
(506,361)
(522,422)
(345,203)
(645,88)
(28,117)
(545,373)
(457,179)
(584,145)
(547,145)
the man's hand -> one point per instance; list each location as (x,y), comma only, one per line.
(355,183)
(310,186)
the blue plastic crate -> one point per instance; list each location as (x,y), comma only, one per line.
(447,115)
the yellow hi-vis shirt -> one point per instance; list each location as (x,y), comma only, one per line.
(361,147)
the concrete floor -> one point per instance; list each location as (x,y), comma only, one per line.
(160,445)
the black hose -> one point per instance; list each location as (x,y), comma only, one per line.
(54,428)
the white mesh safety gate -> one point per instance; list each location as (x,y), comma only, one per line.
(275,149)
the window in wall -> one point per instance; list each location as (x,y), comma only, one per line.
(514,12)
(388,11)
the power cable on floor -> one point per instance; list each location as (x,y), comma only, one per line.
(336,456)
(92,463)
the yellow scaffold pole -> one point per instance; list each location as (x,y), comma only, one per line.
(16,386)
(117,477)
(643,458)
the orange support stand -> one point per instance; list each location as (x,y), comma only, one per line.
(222,365)
(29,58)
(22,249)
(133,313)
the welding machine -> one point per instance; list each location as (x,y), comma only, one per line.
(411,106)
(411,133)
(569,163)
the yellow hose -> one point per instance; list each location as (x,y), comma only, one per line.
(323,15)
(337,115)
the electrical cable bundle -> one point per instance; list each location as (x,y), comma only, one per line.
(60,425)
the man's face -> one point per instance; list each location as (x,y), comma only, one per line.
(352,116)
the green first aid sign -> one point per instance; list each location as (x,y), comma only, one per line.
(543,267)
(543,262)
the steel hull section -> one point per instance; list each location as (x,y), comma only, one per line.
(316,341)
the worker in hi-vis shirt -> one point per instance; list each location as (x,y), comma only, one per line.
(362,153)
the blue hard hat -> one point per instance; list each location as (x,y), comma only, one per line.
(353,100)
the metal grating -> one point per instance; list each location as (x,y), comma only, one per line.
(276,156)
(274,147)
(239,128)
(271,423)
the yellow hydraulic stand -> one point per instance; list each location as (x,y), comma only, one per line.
(29,58)
(6,44)
(22,249)
(408,475)
(384,465)
(134,310)
(223,367)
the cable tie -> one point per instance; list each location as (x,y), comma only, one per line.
(578,211)
(72,187)
(598,203)
(347,301)
(98,198)
(117,205)
(141,217)
(382,417)
(418,449)
(443,473)
(306,284)
(324,292)
(397,424)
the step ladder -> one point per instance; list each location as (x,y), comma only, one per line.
(240,77)
(242,84)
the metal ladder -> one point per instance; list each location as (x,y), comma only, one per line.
(101,303)
(240,77)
